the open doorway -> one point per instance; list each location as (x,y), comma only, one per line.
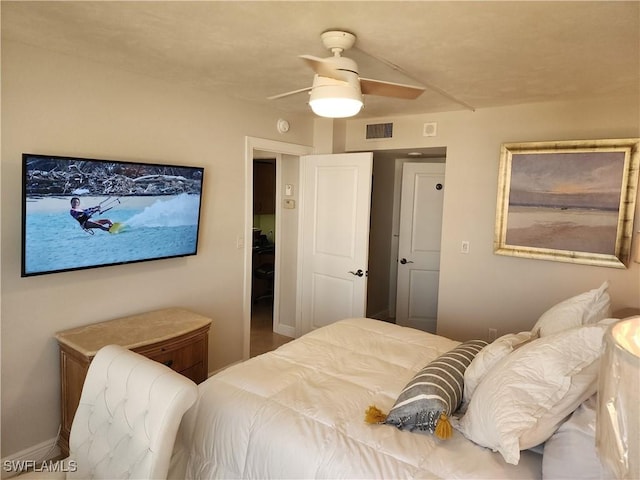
(280,233)
(263,264)
(385,225)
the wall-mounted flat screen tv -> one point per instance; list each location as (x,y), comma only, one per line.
(82,213)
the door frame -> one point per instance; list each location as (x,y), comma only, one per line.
(278,149)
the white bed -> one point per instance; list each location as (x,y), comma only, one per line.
(298,412)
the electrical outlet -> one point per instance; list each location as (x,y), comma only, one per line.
(464,246)
(493,334)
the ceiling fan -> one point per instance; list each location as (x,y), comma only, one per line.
(337,86)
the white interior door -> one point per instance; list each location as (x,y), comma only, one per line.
(334,238)
(419,245)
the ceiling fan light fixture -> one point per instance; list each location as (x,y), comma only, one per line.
(337,87)
(335,99)
(336,107)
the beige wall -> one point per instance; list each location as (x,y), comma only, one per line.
(482,290)
(63,106)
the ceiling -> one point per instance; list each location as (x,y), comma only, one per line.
(469,55)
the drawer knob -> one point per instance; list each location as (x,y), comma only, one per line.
(168,363)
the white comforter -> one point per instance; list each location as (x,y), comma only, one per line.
(298,412)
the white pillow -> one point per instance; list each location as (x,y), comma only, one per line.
(522,400)
(586,308)
(488,357)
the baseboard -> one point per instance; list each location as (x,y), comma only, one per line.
(211,374)
(12,465)
(382,315)
(425,324)
(286,330)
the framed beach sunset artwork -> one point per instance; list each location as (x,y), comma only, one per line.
(570,201)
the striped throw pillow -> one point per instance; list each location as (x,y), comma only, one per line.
(434,390)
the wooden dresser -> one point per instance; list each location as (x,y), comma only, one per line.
(175,337)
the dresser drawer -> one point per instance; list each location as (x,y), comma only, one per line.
(181,359)
(195,373)
(181,353)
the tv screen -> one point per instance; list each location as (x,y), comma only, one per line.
(82,213)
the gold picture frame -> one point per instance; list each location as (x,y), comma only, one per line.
(568,201)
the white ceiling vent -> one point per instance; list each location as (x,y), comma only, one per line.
(379,130)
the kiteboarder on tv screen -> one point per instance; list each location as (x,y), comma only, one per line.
(84,216)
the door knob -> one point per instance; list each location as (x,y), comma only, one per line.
(359,273)
(405,261)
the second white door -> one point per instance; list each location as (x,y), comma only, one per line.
(419,245)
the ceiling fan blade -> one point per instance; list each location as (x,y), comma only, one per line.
(323,67)
(389,89)
(293,92)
